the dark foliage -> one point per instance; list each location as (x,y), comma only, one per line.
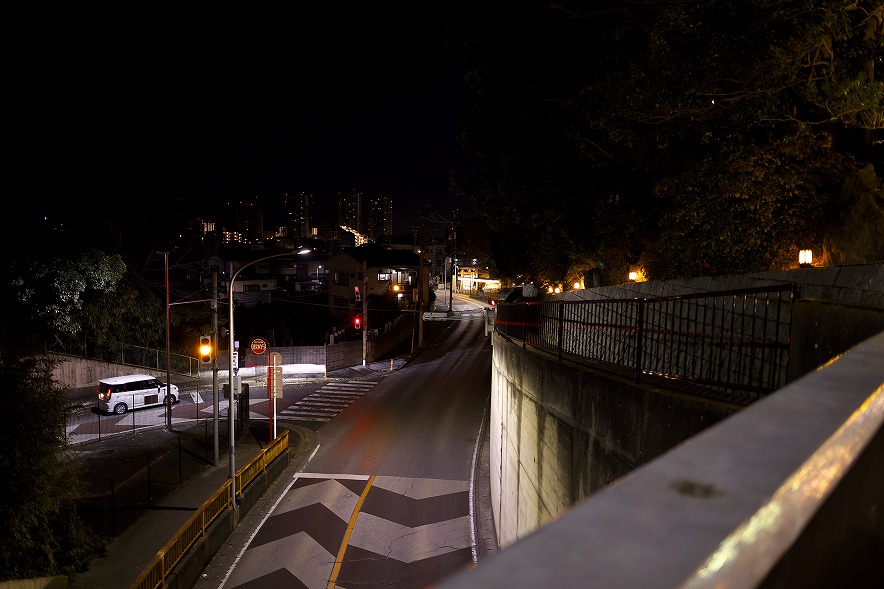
(42,532)
(599,127)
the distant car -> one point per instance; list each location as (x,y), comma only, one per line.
(514,295)
(118,394)
(524,292)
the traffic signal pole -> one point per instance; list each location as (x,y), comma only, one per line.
(364,310)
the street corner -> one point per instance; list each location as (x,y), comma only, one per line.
(303,442)
(390,365)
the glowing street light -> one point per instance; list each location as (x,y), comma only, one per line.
(805,258)
(230,305)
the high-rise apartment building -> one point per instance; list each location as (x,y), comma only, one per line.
(245,223)
(381,220)
(296,214)
(350,210)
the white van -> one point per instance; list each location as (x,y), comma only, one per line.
(118,394)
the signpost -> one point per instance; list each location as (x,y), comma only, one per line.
(274,385)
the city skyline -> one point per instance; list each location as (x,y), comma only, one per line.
(378,215)
(335,100)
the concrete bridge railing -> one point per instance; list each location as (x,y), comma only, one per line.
(787,492)
(599,482)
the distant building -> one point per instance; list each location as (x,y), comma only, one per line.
(435,255)
(296,214)
(380,226)
(350,210)
(245,223)
(387,272)
(336,238)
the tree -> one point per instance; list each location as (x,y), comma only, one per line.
(50,289)
(750,209)
(128,313)
(589,118)
(42,533)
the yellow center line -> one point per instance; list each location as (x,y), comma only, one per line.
(340,559)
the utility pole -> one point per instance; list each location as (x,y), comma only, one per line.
(215,363)
(423,285)
(453,267)
(168,402)
(422,290)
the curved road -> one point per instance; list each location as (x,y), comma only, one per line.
(385,499)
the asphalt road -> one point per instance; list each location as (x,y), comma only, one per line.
(386,501)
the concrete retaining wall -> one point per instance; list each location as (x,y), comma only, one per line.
(561,432)
(858,284)
(787,492)
(81,375)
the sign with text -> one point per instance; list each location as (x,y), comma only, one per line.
(258,346)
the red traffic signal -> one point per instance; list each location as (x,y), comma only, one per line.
(357,322)
(492,302)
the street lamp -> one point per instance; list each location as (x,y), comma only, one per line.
(805,258)
(232,470)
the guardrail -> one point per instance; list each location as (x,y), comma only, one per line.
(154,575)
(730,341)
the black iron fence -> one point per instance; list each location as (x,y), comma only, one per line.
(730,341)
(145,474)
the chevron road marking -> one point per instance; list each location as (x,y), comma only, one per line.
(340,559)
(338,530)
(407,544)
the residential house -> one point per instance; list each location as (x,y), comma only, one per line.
(376,272)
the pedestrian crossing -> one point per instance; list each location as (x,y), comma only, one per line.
(327,401)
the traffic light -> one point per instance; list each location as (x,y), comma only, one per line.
(205,349)
(357,322)
(357,294)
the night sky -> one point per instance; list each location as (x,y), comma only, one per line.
(209,107)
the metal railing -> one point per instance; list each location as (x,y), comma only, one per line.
(167,558)
(128,354)
(730,341)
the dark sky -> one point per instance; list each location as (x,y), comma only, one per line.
(206,106)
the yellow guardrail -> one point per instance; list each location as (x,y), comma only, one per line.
(154,575)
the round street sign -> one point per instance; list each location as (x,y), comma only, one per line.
(258,345)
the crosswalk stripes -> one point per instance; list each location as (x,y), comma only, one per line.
(327,401)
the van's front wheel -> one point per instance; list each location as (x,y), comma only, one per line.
(120,408)
(170,400)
